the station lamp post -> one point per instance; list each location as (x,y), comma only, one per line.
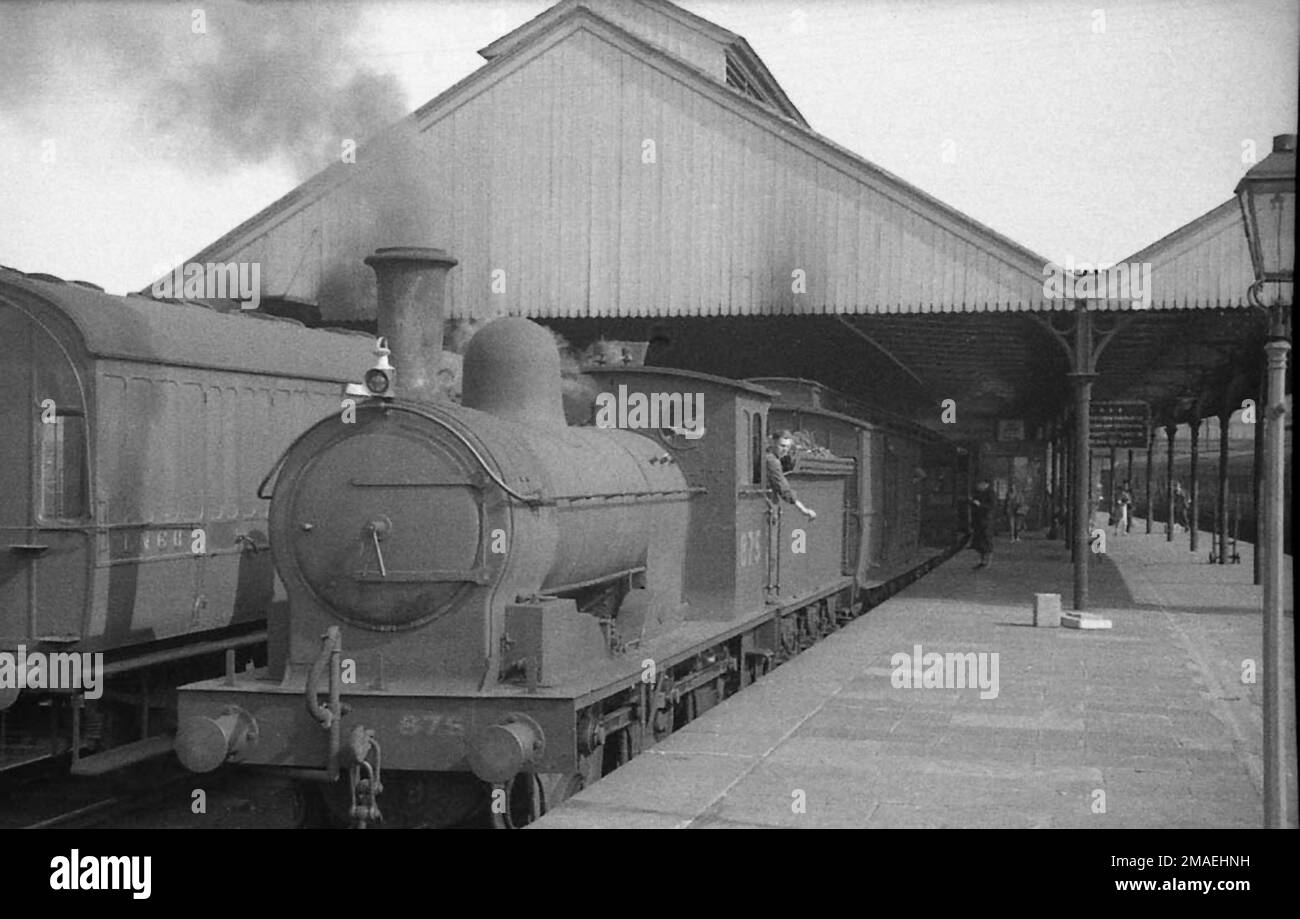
(1267,197)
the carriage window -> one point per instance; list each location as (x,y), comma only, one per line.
(63,467)
(756,448)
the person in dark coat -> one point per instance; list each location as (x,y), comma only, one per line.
(982,506)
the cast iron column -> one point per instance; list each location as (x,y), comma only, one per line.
(1110,487)
(1223,487)
(1257,474)
(1275,661)
(1082,378)
(1151,450)
(1067,490)
(1054,444)
(1192,495)
(1170,431)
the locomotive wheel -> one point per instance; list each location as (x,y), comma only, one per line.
(526,802)
(827,617)
(312,809)
(807,629)
(429,800)
(788,638)
(559,787)
(665,720)
(705,698)
(616,751)
(532,795)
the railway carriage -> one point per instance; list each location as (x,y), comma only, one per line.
(136,432)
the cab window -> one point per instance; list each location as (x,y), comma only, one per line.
(62,440)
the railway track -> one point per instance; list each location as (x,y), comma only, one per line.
(45,796)
(159,793)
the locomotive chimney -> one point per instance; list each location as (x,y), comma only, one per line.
(412,283)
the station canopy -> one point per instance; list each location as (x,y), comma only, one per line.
(909,302)
(1197,343)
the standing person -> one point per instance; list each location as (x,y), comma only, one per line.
(982,506)
(1017,511)
(1123,505)
(961,513)
(779,459)
(1180,505)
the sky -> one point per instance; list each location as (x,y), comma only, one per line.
(132,135)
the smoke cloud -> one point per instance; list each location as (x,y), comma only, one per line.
(392,198)
(221,84)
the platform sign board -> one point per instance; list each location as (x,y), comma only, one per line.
(1119,424)
(1011,430)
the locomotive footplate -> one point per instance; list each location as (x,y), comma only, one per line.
(253,719)
(415,730)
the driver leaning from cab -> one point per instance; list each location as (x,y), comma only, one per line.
(779,459)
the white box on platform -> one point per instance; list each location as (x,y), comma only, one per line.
(1047,610)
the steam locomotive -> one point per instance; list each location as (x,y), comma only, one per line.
(133,435)
(489,609)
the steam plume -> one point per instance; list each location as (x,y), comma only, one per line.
(248,84)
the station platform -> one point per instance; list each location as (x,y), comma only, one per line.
(1147,724)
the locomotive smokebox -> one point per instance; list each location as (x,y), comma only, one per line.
(512,371)
(412,284)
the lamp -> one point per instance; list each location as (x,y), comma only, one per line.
(1267,197)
